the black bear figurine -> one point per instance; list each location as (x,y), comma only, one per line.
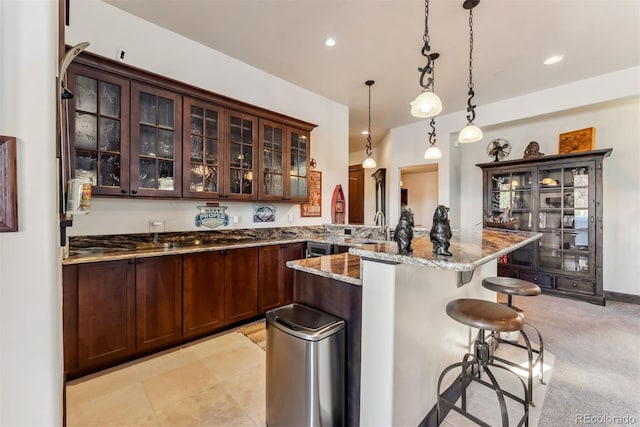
(403,233)
(441,231)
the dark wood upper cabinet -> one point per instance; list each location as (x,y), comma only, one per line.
(241,166)
(203,155)
(158,301)
(156,142)
(99,129)
(136,134)
(203,292)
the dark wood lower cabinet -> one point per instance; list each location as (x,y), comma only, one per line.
(106,316)
(276,279)
(158,302)
(241,284)
(114,311)
(203,293)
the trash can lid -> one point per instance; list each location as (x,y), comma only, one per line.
(304,322)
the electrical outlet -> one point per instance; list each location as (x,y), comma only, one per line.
(347,231)
(157,225)
(120,55)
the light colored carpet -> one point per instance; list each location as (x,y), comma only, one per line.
(597,360)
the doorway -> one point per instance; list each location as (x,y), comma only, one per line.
(419,192)
(356,194)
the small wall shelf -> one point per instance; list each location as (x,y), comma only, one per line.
(338,207)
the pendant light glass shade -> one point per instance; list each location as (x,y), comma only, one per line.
(470,133)
(369,163)
(433,153)
(427,104)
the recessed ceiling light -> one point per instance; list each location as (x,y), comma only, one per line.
(330,42)
(365,132)
(553,59)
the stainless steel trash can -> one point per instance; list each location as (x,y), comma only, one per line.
(305,382)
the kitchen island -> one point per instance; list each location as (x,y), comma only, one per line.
(406,337)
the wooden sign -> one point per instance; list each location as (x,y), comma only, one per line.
(577,140)
(314,207)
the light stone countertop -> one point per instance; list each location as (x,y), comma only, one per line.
(470,248)
(343,267)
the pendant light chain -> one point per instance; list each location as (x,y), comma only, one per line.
(428,68)
(471,108)
(369,128)
(432,124)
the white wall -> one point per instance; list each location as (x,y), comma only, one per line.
(160,51)
(30,302)
(610,103)
(422,195)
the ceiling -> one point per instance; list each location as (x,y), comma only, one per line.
(381,40)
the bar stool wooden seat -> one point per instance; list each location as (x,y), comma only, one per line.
(485,316)
(511,287)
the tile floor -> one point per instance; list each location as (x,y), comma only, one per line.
(218,381)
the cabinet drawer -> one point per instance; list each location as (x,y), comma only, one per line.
(504,271)
(542,280)
(573,285)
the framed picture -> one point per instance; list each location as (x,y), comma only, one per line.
(264,213)
(577,140)
(314,207)
(8,185)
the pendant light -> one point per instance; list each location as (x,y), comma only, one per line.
(427,103)
(369,163)
(471,132)
(433,152)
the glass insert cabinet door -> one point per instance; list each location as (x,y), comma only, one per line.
(298,172)
(202,153)
(99,129)
(272,160)
(512,191)
(563,218)
(241,165)
(156,126)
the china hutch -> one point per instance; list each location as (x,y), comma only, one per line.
(559,196)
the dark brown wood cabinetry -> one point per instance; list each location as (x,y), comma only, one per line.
(203,292)
(158,302)
(99,313)
(114,311)
(130,136)
(240,284)
(276,279)
(559,196)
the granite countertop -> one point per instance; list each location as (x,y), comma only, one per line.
(470,248)
(343,267)
(118,247)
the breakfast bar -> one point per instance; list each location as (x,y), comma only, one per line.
(406,337)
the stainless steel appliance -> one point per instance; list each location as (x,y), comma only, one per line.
(316,249)
(305,378)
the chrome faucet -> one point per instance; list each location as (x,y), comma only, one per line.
(379,216)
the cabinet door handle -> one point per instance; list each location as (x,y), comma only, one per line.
(131,261)
(123,191)
(134,191)
(139,261)
(592,219)
(575,285)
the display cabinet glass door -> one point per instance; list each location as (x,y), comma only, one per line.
(564,218)
(99,129)
(202,149)
(512,190)
(156,126)
(272,160)
(299,161)
(241,165)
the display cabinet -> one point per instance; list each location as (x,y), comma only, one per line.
(240,172)
(559,196)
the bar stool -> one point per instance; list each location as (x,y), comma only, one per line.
(510,287)
(485,316)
